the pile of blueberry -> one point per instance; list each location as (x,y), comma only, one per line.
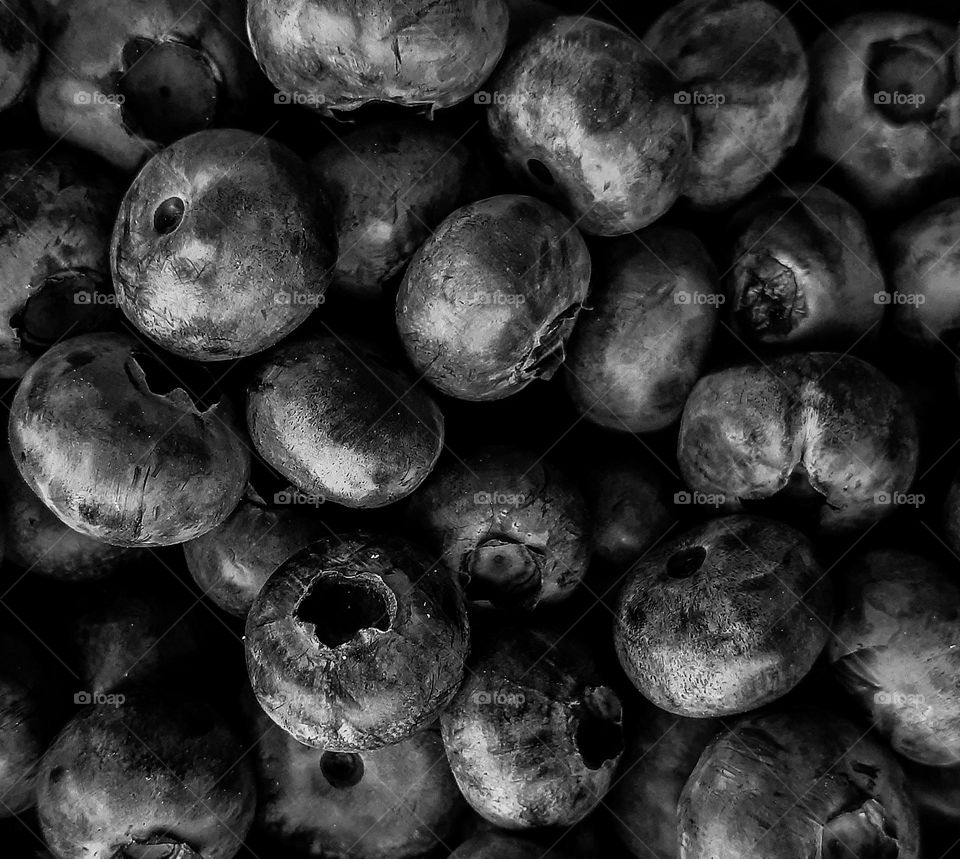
(486,429)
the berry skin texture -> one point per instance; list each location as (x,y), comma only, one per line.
(830,430)
(885,107)
(586,117)
(162,773)
(513,527)
(741,799)
(488,302)
(724,619)
(356,643)
(642,342)
(106,434)
(896,649)
(533,737)
(342,422)
(223,246)
(805,273)
(742,67)
(397,802)
(344,54)
(55,225)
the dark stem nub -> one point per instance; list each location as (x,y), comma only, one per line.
(67,304)
(341,769)
(168,215)
(540,172)
(504,572)
(909,77)
(769,302)
(860,833)
(683,564)
(339,608)
(169,89)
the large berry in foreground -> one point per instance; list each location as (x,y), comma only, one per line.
(343,422)
(119,449)
(794,785)
(223,245)
(163,773)
(342,54)
(489,301)
(533,737)
(356,643)
(822,435)
(724,619)
(587,116)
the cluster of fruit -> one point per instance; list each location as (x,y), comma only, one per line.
(382,482)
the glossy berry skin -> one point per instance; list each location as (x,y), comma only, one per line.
(488,302)
(896,647)
(233,561)
(741,801)
(884,106)
(512,526)
(828,432)
(343,422)
(343,54)
(163,774)
(134,78)
(533,737)
(743,69)
(925,266)
(724,619)
(424,172)
(356,643)
(804,273)
(55,222)
(397,802)
(644,338)
(223,246)
(36,541)
(107,396)
(587,117)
